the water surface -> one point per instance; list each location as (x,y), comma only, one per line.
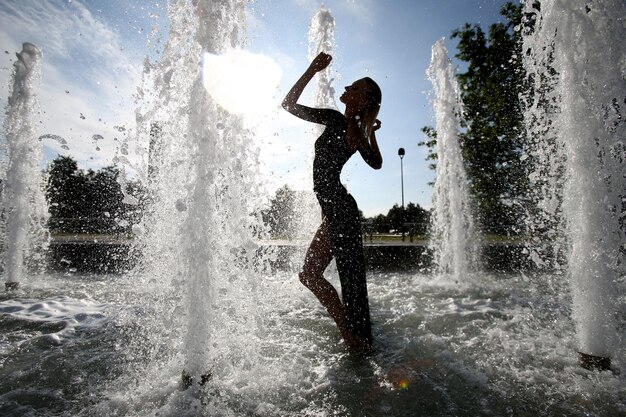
(491,345)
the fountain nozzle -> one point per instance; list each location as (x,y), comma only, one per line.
(11,286)
(187,379)
(594,363)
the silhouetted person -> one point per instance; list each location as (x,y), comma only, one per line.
(339,235)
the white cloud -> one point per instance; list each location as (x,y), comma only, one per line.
(88,79)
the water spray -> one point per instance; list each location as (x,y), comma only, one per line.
(452,220)
(23,199)
(587,54)
(203,184)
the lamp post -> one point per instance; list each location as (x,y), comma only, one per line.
(401,155)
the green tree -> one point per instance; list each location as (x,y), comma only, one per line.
(65,193)
(395,217)
(380,224)
(493,137)
(431,145)
(414,213)
(279,217)
(92,201)
(493,132)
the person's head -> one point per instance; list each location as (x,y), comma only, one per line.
(363,97)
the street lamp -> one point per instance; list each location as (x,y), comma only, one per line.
(401,155)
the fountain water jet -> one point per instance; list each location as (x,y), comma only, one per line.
(588,57)
(453,226)
(23,199)
(198,235)
(321,39)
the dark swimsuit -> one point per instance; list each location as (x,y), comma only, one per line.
(342,214)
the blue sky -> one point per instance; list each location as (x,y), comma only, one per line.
(93,54)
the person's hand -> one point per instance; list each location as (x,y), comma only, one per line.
(377,125)
(320,62)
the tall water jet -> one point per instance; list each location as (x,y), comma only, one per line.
(321,38)
(23,198)
(543,155)
(202,174)
(590,61)
(453,225)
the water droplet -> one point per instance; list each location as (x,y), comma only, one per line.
(181,206)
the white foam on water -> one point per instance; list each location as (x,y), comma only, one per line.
(497,341)
(61,312)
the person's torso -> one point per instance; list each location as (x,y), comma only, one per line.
(331,154)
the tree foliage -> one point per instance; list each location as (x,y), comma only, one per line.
(493,137)
(279,217)
(431,143)
(90,201)
(412,213)
(492,129)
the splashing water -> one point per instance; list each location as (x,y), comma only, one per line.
(198,237)
(453,227)
(321,39)
(116,344)
(544,155)
(587,55)
(56,138)
(23,199)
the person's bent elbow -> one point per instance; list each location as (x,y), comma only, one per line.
(289,106)
(375,163)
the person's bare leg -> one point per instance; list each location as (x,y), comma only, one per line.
(317,258)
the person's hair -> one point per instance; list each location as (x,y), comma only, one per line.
(369,113)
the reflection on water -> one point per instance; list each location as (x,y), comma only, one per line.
(500,345)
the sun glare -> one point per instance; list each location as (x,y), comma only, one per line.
(242,82)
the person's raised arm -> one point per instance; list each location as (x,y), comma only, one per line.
(368,148)
(290,103)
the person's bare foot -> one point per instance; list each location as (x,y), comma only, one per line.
(353,342)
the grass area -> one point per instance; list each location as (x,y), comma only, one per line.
(89,237)
(504,239)
(387,238)
(376,238)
